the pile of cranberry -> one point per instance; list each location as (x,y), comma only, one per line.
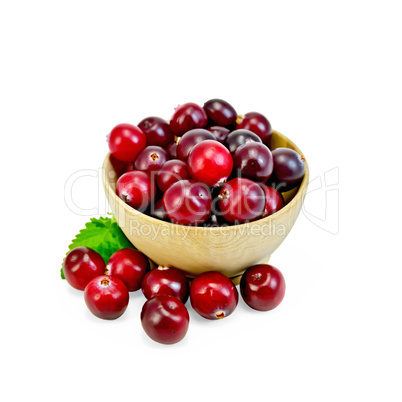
(164,315)
(206,166)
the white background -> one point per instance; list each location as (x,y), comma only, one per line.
(326,74)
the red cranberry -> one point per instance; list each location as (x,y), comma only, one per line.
(186,117)
(241,200)
(81,265)
(165,319)
(210,162)
(257,123)
(171,172)
(121,167)
(273,200)
(254,161)
(136,188)
(187,202)
(165,281)
(213,295)
(157,131)
(239,137)
(288,168)
(219,132)
(151,158)
(262,287)
(106,297)
(190,139)
(220,112)
(128,265)
(172,150)
(158,212)
(126,142)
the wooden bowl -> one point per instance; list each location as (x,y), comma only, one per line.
(229,250)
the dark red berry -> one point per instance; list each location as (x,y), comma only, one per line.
(151,159)
(81,265)
(136,188)
(239,137)
(186,117)
(187,202)
(165,319)
(219,132)
(190,139)
(126,142)
(165,281)
(254,161)
(289,168)
(128,265)
(157,131)
(257,123)
(171,172)
(213,295)
(210,162)
(172,150)
(121,167)
(106,297)
(241,200)
(262,287)
(157,211)
(220,112)
(273,200)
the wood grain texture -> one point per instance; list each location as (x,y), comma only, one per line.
(229,250)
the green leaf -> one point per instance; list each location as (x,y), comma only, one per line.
(102,235)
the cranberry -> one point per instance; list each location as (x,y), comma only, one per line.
(187,202)
(213,295)
(128,265)
(262,287)
(239,137)
(241,200)
(288,168)
(126,142)
(165,281)
(172,150)
(81,265)
(157,131)
(106,297)
(151,158)
(158,212)
(136,188)
(219,132)
(121,167)
(220,112)
(165,319)
(273,200)
(254,161)
(186,117)
(257,123)
(190,139)
(171,172)
(210,162)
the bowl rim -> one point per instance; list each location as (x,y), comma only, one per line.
(147,218)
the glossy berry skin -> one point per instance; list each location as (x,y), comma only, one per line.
(190,139)
(210,162)
(157,131)
(81,265)
(157,211)
(257,123)
(136,188)
(186,117)
(151,159)
(288,168)
(262,287)
(126,142)
(273,200)
(165,319)
(220,112)
(128,265)
(213,295)
(172,150)
(165,281)
(240,137)
(121,167)
(219,132)
(241,200)
(187,202)
(254,161)
(171,172)
(106,297)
